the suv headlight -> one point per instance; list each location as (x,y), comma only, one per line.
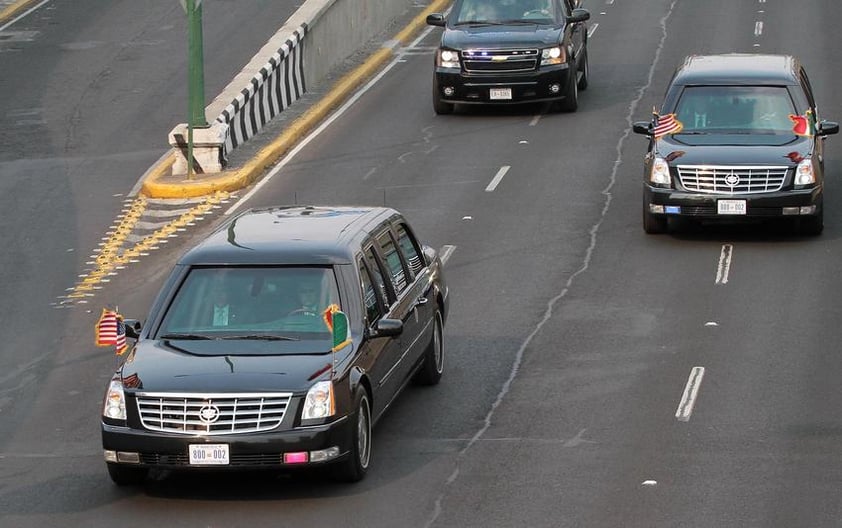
(554,55)
(114,406)
(660,173)
(319,402)
(804,173)
(447,59)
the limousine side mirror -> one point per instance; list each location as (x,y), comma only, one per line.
(827,128)
(578,15)
(642,127)
(430,254)
(133,328)
(387,328)
(435,19)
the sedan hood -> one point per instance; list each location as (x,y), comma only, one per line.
(501,37)
(162,366)
(684,149)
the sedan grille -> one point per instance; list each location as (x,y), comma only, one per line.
(726,179)
(212,414)
(500,61)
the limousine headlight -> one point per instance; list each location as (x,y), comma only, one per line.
(319,402)
(114,406)
(660,174)
(804,173)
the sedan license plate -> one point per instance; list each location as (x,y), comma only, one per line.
(731,207)
(497,94)
(208,454)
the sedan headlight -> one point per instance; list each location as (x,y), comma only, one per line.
(554,55)
(447,59)
(660,174)
(114,406)
(804,173)
(319,402)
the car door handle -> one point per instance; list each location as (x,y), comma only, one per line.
(421,301)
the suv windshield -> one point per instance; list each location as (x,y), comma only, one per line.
(505,11)
(262,303)
(736,110)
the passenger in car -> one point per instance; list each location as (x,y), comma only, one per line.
(308,297)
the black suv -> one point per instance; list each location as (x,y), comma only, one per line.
(511,51)
(276,343)
(738,137)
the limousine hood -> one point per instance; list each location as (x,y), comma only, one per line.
(734,150)
(195,366)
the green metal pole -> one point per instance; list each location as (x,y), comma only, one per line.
(196,77)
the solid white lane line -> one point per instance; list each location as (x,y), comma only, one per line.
(445,252)
(758,28)
(22,15)
(499,176)
(691,391)
(724,267)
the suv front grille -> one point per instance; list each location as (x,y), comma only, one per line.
(212,414)
(500,61)
(727,179)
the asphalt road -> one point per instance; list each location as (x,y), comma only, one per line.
(572,337)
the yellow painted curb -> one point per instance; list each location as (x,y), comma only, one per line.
(14,9)
(267,156)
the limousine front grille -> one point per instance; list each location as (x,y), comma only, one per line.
(212,414)
(737,179)
(500,61)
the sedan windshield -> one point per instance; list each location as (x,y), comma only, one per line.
(736,110)
(266,303)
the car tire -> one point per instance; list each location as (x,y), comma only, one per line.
(354,468)
(439,106)
(585,71)
(126,476)
(653,224)
(433,365)
(570,103)
(811,225)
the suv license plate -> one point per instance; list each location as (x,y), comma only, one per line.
(208,454)
(731,207)
(500,93)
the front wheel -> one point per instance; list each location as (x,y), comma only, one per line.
(354,468)
(570,103)
(584,73)
(811,225)
(126,476)
(439,106)
(653,224)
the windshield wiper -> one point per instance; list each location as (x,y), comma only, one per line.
(261,337)
(188,336)
(478,23)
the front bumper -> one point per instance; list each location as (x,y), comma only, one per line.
(782,204)
(549,83)
(263,450)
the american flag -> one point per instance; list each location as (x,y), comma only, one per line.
(666,124)
(111,330)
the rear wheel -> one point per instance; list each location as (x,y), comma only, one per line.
(126,476)
(433,366)
(440,106)
(354,468)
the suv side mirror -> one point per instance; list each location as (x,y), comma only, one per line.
(827,128)
(435,19)
(642,127)
(578,15)
(387,328)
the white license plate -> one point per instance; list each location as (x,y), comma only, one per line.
(731,207)
(496,94)
(209,454)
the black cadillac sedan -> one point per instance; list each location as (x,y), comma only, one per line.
(277,343)
(738,138)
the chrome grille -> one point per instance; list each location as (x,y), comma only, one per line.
(727,179)
(212,414)
(499,61)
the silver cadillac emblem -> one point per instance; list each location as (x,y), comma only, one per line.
(732,180)
(209,414)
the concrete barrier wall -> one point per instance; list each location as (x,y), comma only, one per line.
(319,36)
